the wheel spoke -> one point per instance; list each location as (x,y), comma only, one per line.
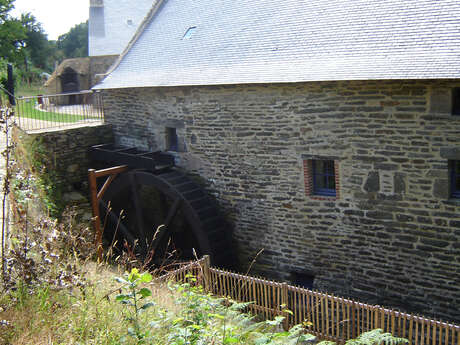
(163,228)
(139,214)
(116,219)
(162,208)
(172,212)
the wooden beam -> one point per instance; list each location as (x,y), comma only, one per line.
(97,196)
(96,216)
(111,171)
(106,185)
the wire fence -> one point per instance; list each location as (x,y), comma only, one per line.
(332,318)
(54,111)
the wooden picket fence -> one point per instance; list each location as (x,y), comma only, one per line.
(332,318)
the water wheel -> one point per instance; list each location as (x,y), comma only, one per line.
(161,213)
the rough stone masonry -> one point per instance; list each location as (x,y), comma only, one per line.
(390,237)
(66,150)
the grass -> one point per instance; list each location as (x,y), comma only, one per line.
(29,90)
(92,314)
(26,109)
(64,316)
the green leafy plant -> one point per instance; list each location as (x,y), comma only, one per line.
(134,298)
(200,318)
(374,337)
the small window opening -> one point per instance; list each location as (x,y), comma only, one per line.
(188,34)
(454,167)
(129,22)
(456,101)
(172,142)
(323,172)
(304,280)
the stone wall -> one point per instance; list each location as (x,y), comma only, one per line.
(65,151)
(99,65)
(392,235)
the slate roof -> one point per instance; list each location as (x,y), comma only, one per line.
(270,41)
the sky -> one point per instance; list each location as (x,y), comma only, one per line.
(57,16)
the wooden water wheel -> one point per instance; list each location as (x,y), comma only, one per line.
(162,210)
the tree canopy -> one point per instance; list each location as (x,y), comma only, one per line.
(12,33)
(75,42)
(36,48)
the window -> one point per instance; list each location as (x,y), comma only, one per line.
(454,167)
(321,178)
(456,101)
(172,142)
(304,280)
(188,34)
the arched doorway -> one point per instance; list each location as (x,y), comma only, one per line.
(70,83)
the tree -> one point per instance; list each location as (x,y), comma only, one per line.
(75,42)
(12,33)
(24,43)
(38,50)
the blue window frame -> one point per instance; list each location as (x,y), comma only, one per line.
(323,177)
(455,179)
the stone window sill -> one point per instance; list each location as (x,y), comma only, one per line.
(322,197)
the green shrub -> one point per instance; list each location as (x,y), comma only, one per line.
(374,337)
(193,317)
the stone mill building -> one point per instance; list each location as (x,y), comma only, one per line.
(328,132)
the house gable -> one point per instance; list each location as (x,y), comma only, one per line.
(112,24)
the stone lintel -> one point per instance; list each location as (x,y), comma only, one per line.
(323,157)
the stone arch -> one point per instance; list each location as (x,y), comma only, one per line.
(70,83)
